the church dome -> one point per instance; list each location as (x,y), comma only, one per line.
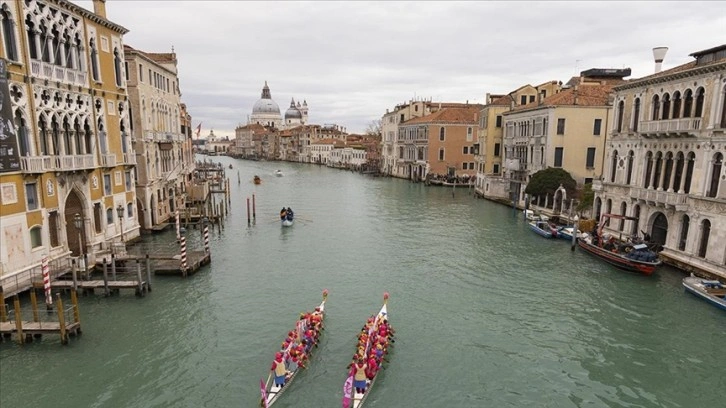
(266,104)
(292,112)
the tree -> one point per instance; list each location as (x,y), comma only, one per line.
(587,196)
(547,181)
(374,128)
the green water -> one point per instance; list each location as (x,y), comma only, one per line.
(487,313)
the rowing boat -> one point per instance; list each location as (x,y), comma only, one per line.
(349,393)
(271,391)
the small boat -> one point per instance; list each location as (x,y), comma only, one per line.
(566,233)
(269,390)
(543,228)
(230,166)
(531,216)
(287,217)
(349,393)
(712,291)
(257,180)
(627,256)
(278,173)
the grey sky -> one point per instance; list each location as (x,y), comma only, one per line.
(352,60)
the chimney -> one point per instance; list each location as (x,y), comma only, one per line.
(658,55)
(99,8)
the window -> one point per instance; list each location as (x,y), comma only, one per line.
(558,156)
(561,126)
(523,100)
(97,214)
(469,134)
(466,149)
(107,184)
(129,210)
(8,29)
(590,161)
(442,134)
(31,196)
(656,108)
(699,103)
(497,149)
(36,236)
(471,165)
(614,166)
(715,175)
(441,154)
(596,127)
(588,180)
(499,121)
(496,169)
(531,98)
(128,181)
(141,73)
(685,222)
(109,216)
(53,228)
(126,66)
(636,114)
(401,121)
(705,233)
(94,61)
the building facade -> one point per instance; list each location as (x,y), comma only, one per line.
(664,161)
(160,134)
(67,178)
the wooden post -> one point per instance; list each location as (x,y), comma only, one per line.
(76,312)
(18,320)
(34,305)
(140,285)
(74,273)
(248,211)
(113,267)
(3,312)
(148,273)
(62,320)
(87,270)
(105,278)
(254,210)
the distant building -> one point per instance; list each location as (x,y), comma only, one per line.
(266,112)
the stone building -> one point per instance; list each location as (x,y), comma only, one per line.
(67,183)
(664,161)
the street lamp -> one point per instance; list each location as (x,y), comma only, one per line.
(78,222)
(120,212)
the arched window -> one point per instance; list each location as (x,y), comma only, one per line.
(666,106)
(88,135)
(36,236)
(598,208)
(705,233)
(621,111)
(56,42)
(636,114)
(614,166)
(67,137)
(679,172)
(32,37)
(11,50)
(55,134)
(623,211)
(608,210)
(723,107)
(648,169)
(129,210)
(676,105)
(668,171)
(109,216)
(657,169)
(715,175)
(685,222)
(630,167)
(442,133)
(22,134)
(441,154)
(634,223)
(656,108)
(44,43)
(687,104)
(690,161)
(117,66)
(68,50)
(699,103)
(94,60)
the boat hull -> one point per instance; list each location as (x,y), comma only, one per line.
(287,223)
(645,268)
(693,285)
(547,233)
(359,399)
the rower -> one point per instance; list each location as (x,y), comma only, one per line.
(278,367)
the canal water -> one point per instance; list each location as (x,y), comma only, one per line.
(487,313)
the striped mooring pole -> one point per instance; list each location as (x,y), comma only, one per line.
(46,281)
(183,253)
(206,239)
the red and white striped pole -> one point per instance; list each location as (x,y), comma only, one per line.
(206,239)
(183,254)
(46,281)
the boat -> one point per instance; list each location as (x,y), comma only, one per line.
(566,233)
(531,216)
(712,291)
(287,217)
(230,166)
(351,397)
(269,390)
(627,256)
(257,180)
(278,173)
(543,228)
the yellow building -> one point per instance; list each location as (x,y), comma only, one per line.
(67,182)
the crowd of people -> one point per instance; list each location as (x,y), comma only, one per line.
(373,342)
(297,346)
(445,178)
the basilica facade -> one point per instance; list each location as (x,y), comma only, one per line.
(266,112)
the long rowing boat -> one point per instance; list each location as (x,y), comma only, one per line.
(271,391)
(350,394)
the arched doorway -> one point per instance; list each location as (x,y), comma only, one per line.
(659,231)
(74,205)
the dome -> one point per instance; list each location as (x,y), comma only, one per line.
(292,112)
(265,106)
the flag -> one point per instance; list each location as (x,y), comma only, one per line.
(199,129)
(264,393)
(348,390)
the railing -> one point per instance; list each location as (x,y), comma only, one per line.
(671,125)
(108,160)
(659,197)
(45,70)
(76,162)
(38,164)
(60,73)
(130,158)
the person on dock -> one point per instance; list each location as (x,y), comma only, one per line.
(278,367)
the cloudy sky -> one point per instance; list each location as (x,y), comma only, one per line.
(353,60)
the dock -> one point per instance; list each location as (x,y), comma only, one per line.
(64,322)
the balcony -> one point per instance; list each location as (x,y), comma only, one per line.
(130,158)
(39,164)
(51,72)
(670,128)
(666,199)
(77,162)
(108,160)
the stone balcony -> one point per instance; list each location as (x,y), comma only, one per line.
(681,127)
(39,164)
(108,160)
(130,158)
(77,162)
(51,72)
(666,199)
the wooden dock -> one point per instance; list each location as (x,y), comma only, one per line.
(68,320)
(195,260)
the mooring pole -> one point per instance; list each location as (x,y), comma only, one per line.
(105,278)
(254,211)
(248,211)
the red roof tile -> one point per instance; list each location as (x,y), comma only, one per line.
(468,115)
